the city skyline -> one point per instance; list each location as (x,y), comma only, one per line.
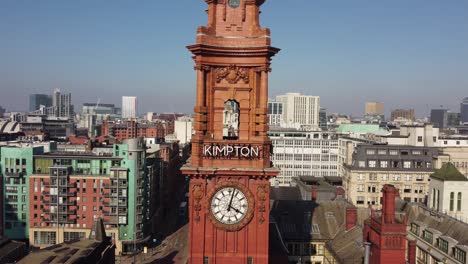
(406,55)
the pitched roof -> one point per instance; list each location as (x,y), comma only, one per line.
(448,172)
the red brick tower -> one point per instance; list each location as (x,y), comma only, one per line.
(230,164)
(386,233)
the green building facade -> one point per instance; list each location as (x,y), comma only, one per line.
(16,166)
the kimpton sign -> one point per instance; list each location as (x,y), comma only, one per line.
(231,151)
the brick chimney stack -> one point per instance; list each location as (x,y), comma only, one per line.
(388,204)
(412,251)
(313,192)
(351,218)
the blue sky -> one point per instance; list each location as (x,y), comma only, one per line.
(406,53)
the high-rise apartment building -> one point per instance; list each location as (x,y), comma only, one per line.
(62,104)
(275,112)
(464,111)
(16,165)
(403,114)
(302,110)
(439,118)
(374,111)
(453,119)
(129,106)
(55,197)
(36,100)
(323,118)
(300,153)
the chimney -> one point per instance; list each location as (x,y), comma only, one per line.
(313,193)
(412,251)
(388,204)
(351,218)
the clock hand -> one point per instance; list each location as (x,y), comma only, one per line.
(230,202)
(237,210)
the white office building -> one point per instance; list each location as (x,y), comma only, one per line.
(300,153)
(129,106)
(302,110)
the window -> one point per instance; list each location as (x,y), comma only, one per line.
(231,120)
(250,260)
(360,177)
(373,177)
(416,152)
(372,163)
(393,152)
(459,255)
(360,187)
(415,229)
(427,236)
(408,177)
(396,177)
(360,200)
(383,164)
(434,139)
(384,177)
(382,152)
(69,236)
(407,164)
(420,138)
(370,152)
(362,164)
(459,201)
(452,198)
(442,245)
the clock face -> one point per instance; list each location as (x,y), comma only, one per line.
(229,205)
(234,3)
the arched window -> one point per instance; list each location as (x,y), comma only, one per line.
(452,197)
(459,200)
(231,120)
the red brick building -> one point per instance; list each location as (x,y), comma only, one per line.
(386,232)
(230,166)
(126,129)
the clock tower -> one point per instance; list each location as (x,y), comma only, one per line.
(230,168)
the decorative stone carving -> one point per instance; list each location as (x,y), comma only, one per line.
(261,197)
(197,193)
(232,74)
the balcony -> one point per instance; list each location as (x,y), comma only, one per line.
(55,202)
(109,195)
(115,186)
(68,184)
(60,193)
(59,221)
(111,220)
(14,174)
(60,212)
(114,204)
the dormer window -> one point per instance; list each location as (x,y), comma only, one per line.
(442,245)
(428,237)
(231,120)
(415,229)
(459,255)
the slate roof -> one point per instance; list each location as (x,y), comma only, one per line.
(448,172)
(446,225)
(307,220)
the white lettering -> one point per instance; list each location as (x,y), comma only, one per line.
(244,151)
(207,150)
(254,151)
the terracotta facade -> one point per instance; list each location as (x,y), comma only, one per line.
(230,148)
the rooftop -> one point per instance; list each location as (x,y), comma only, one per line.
(448,172)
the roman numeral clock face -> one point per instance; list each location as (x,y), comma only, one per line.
(231,205)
